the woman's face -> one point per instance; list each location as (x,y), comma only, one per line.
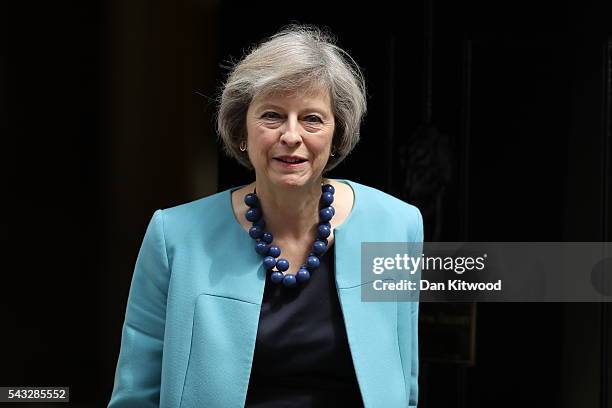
(290,137)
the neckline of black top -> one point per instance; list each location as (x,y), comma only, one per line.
(302,356)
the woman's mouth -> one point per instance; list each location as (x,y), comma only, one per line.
(290,161)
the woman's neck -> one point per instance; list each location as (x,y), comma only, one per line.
(290,213)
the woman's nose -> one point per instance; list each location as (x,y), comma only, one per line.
(290,132)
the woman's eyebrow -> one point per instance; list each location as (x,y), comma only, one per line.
(307,109)
(268,106)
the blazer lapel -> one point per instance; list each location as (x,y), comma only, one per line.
(225,325)
(371,326)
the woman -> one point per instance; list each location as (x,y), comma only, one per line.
(251,297)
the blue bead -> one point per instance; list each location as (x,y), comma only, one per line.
(269,262)
(289,281)
(261,248)
(328,188)
(276,277)
(274,251)
(282,264)
(253,214)
(323,231)
(313,262)
(333,210)
(260,223)
(267,237)
(325,223)
(255,232)
(319,247)
(325,214)
(251,200)
(327,198)
(302,275)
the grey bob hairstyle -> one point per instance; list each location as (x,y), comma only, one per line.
(298,58)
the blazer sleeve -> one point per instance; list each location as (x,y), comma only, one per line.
(138,372)
(408,325)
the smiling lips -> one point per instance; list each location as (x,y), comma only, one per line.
(290,159)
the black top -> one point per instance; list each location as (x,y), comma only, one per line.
(302,357)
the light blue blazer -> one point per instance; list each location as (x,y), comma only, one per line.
(193,308)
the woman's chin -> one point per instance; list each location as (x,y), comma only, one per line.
(291,180)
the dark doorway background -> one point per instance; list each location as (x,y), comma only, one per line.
(492,117)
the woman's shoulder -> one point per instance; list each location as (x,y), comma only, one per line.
(209,208)
(374,199)
(381,216)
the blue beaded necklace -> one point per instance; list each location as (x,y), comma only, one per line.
(271,252)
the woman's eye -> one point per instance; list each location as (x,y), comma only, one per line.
(314,119)
(270,115)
